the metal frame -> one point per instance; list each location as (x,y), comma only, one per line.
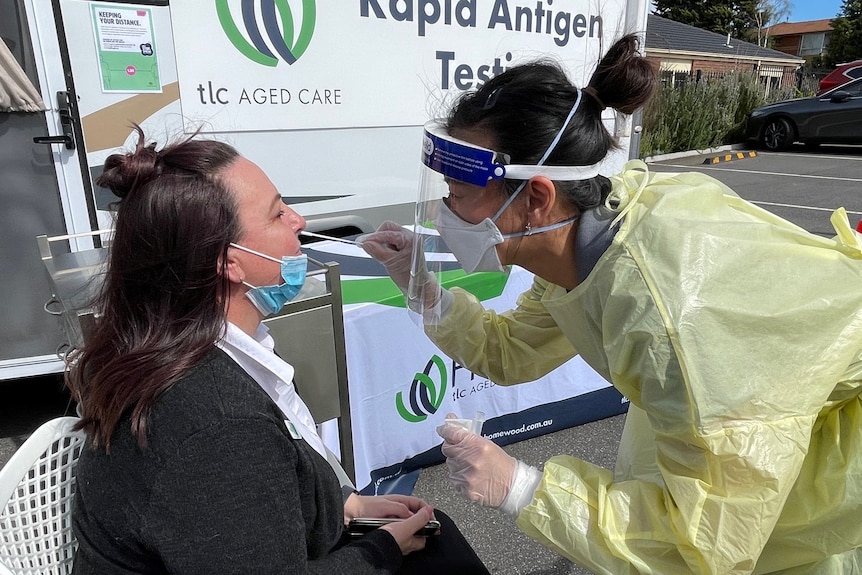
(74,278)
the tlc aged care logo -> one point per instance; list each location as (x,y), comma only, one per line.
(425,395)
(269,35)
(278,24)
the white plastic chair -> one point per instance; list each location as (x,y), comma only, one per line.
(37,486)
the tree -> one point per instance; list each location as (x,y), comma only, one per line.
(845,42)
(743,19)
(768,13)
(715,16)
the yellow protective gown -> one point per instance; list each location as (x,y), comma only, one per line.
(737,337)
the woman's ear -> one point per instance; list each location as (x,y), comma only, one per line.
(233,270)
(541,196)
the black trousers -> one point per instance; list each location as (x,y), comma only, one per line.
(448,552)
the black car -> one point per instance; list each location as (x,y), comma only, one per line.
(834,117)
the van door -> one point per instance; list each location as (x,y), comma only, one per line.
(42,190)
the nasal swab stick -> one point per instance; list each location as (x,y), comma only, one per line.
(323,237)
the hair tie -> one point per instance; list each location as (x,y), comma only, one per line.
(595,95)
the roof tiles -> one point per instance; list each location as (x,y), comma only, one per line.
(664,34)
(809,27)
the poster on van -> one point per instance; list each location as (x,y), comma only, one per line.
(307,64)
(126,49)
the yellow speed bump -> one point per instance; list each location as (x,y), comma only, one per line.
(730,157)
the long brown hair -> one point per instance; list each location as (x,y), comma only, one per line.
(163,301)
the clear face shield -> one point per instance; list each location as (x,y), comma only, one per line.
(449,246)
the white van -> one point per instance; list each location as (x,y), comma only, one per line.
(327,96)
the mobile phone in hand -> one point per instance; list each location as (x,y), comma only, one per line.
(361,525)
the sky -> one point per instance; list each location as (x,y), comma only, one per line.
(804,10)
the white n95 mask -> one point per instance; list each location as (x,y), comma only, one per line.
(473,245)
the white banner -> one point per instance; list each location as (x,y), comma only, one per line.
(305,64)
(394,415)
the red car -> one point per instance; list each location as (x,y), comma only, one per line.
(841,75)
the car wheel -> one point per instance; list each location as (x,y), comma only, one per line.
(777,134)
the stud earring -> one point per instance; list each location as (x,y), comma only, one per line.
(529,228)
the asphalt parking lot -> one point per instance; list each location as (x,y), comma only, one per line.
(802,186)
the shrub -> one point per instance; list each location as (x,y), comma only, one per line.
(695,115)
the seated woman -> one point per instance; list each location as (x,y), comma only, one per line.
(202,458)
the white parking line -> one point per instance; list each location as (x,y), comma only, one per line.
(705,167)
(801,207)
(817,156)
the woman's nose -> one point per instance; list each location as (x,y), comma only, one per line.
(298,221)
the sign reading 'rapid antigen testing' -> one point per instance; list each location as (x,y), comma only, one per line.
(288,64)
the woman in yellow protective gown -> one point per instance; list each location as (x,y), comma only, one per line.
(736,335)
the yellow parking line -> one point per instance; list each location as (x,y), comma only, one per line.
(730,157)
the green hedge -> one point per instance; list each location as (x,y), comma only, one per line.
(700,115)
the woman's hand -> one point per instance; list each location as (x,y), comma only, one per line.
(401,506)
(478,468)
(392,246)
(414,512)
(405,531)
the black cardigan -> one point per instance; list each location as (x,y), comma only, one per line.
(221,487)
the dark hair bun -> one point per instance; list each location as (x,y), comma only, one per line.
(126,172)
(624,79)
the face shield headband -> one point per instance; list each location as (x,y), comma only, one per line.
(462,161)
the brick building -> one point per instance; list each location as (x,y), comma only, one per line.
(804,39)
(679,51)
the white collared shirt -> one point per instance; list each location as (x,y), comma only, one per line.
(255,355)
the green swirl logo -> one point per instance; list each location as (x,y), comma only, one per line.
(425,396)
(278,24)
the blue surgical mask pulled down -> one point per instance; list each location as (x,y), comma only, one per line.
(269,299)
